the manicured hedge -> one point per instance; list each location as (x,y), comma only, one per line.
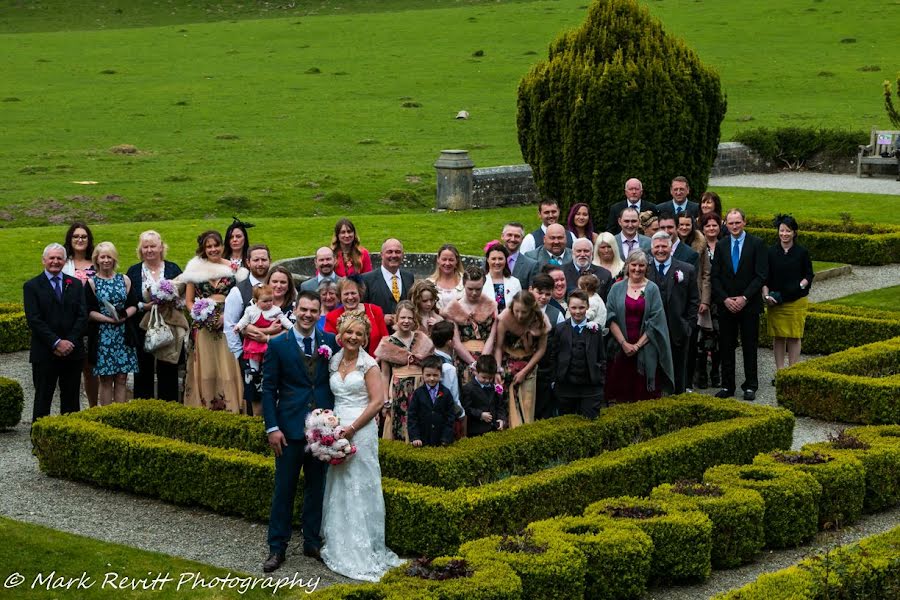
(682,539)
(421,519)
(736,514)
(859,385)
(830,328)
(490,580)
(12,401)
(553,569)
(618,553)
(867,569)
(830,246)
(791,497)
(842,477)
(14,332)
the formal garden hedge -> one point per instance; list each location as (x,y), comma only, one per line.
(421,519)
(837,241)
(12,401)
(858,385)
(677,529)
(14,332)
(833,328)
(867,569)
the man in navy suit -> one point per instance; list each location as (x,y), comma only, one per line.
(388,285)
(679,204)
(295,382)
(56,313)
(668,223)
(739,270)
(431,411)
(634,189)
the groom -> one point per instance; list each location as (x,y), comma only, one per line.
(295,382)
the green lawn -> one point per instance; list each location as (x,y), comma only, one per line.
(819,266)
(39,557)
(304,114)
(883,299)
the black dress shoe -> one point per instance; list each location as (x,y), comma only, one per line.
(312,553)
(724,394)
(274,561)
(749,395)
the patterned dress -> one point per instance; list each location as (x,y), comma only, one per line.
(114,357)
(406,376)
(473,335)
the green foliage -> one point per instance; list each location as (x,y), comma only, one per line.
(842,477)
(867,569)
(490,580)
(892,112)
(858,385)
(791,497)
(618,553)
(682,539)
(618,96)
(736,514)
(554,569)
(831,328)
(14,332)
(884,299)
(12,401)
(877,249)
(796,146)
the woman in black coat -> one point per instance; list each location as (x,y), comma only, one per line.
(152,268)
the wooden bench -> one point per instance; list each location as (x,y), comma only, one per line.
(883,149)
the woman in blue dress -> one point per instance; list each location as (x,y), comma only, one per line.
(115,356)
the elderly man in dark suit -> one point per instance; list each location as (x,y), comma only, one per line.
(388,285)
(56,313)
(582,255)
(634,189)
(677,282)
(679,204)
(522,267)
(295,382)
(739,270)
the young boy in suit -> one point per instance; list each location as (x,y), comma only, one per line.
(485,408)
(581,361)
(431,412)
(442,336)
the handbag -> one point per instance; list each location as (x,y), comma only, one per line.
(159,334)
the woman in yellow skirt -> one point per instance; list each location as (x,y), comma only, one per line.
(786,291)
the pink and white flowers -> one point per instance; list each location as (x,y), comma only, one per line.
(679,275)
(164,292)
(498,388)
(324,351)
(202,310)
(324,436)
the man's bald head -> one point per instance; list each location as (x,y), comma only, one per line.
(555,239)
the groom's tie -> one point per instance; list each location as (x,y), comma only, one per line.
(307,346)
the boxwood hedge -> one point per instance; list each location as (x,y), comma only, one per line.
(842,477)
(830,241)
(14,332)
(791,497)
(736,514)
(867,569)
(859,385)
(682,539)
(833,328)
(490,580)
(12,401)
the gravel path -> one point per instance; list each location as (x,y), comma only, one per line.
(239,544)
(825,182)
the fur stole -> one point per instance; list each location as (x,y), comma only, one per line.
(199,270)
(422,347)
(456,312)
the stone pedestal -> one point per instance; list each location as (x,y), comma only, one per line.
(454,180)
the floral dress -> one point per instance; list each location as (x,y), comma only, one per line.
(406,376)
(114,356)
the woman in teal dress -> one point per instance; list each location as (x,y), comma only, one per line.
(114,358)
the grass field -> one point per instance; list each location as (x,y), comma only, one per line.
(883,299)
(43,559)
(233,110)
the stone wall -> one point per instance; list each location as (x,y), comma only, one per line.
(734,158)
(503,186)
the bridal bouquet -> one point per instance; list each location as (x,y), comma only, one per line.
(205,313)
(164,292)
(323,437)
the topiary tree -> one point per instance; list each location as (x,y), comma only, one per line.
(618,97)
(892,111)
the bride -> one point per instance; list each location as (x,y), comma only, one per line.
(353,509)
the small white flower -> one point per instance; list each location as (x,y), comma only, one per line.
(679,276)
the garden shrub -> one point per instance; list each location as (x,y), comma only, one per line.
(550,569)
(14,332)
(842,477)
(12,401)
(791,497)
(867,569)
(682,539)
(831,329)
(489,580)
(736,514)
(794,147)
(861,249)
(609,90)
(858,385)
(618,553)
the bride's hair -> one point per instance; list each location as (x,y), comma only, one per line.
(354,317)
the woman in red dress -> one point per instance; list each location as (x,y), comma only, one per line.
(349,257)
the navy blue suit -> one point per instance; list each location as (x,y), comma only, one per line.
(289,393)
(431,422)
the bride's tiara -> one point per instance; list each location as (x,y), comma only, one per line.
(353,316)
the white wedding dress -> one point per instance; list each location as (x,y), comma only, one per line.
(353,508)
